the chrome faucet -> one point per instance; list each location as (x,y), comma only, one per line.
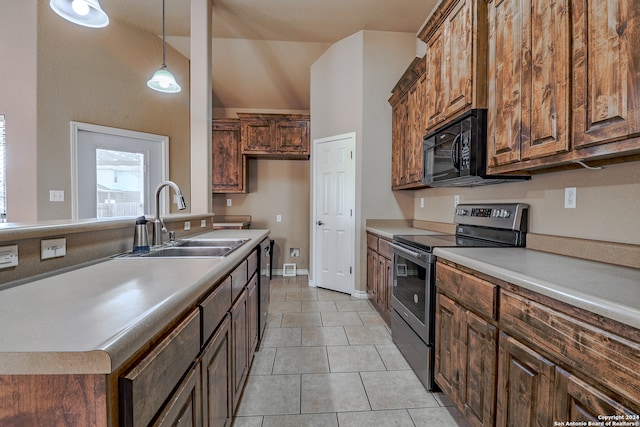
(158,223)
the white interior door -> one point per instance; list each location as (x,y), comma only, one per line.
(334,181)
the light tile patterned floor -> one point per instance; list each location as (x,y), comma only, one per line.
(327,359)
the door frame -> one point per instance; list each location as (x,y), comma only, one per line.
(76,127)
(315,230)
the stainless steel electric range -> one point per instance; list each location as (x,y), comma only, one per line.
(413,300)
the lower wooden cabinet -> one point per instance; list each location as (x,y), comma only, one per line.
(216,378)
(240,346)
(525,385)
(535,360)
(253,313)
(380,274)
(465,364)
(184,408)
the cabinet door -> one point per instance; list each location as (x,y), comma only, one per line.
(506,61)
(435,90)
(415,129)
(258,136)
(216,378)
(372,274)
(606,76)
(239,346)
(546,79)
(477,369)
(389,288)
(577,400)
(397,153)
(292,136)
(252,315)
(447,338)
(525,385)
(228,164)
(458,65)
(183,409)
(381,281)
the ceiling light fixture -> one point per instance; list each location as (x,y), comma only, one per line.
(163,80)
(87,13)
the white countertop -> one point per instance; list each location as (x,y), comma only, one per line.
(389,232)
(91,320)
(608,290)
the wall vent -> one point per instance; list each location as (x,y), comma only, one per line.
(289,269)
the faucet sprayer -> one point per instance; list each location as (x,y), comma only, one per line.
(158,224)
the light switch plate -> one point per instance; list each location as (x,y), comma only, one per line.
(203,223)
(8,256)
(53,248)
(187,225)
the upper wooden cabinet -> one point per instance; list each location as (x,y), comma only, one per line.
(229,166)
(562,79)
(275,135)
(409,124)
(456,59)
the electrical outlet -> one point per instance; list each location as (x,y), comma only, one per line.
(229,202)
(422,202)
(8,256)
(53,248)
(278,218)
(456,200)
(570,195)
(56,195)
(187,225)
(294,252)
(203,223)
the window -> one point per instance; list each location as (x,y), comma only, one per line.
(3,170)
(115,171)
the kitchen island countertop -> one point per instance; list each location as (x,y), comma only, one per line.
(605,289)
(92,319)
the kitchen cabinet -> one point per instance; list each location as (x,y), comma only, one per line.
(408,127)
(275,135)
(380,274)
(553,361)
(184,408)
(466,344)
(529,68)
(229,166)
(150,381)
(456,59)
(253,313)
(525,385)
(216,378)
(240,347)
(561,81)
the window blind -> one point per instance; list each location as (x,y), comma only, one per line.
(3,169)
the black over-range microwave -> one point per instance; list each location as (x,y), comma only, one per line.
(455,155)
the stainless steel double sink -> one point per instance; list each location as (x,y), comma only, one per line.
(193,248)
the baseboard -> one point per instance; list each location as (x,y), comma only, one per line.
(299,272)
(360,294)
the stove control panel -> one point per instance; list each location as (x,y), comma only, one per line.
(503,215)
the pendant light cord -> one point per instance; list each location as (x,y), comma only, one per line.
(164,43)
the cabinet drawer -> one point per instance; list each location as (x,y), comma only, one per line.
(238,280)
(384,248)
(474,293)
(607,358)
(372,241)
(214,307)
(252,264)
(146,386)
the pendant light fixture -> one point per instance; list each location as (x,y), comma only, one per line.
(87,13)
(163,80)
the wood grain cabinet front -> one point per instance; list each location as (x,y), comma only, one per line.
(216,365)
(148,384)
(283,136)
(380,274)
(534,361)
(229,165)
(562,79)
(239,347)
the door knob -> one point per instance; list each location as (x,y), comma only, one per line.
(320,223)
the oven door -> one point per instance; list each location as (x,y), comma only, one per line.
(413,295)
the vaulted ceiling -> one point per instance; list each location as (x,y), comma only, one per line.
(263,49)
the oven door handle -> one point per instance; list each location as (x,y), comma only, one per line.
(405,251)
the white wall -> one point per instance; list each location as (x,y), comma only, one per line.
(350,87)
